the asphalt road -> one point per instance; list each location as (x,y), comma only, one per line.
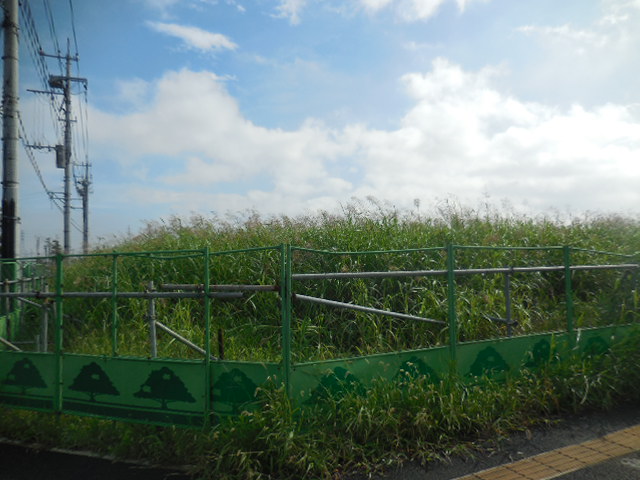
(18,463)
(563,432)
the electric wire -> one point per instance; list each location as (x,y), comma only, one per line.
(36,53)
(32,159)
(52,32)
(29,151)
(73,26)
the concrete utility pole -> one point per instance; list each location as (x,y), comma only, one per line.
(67,155)
(64,83)
(10,210)
(84,193)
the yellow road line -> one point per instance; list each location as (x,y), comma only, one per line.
(565,460)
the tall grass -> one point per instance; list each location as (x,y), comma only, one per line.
(251,327)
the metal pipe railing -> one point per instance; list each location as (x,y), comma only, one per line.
(181,339)
(468,271)
(9,344)
(200,287)
(360,308)
(145,295)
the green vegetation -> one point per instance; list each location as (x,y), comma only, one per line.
(251,327)
(409,418)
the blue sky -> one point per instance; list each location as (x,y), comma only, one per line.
(295,106)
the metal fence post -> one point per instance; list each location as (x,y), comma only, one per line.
(114,306)
(507,301)
(568,287)
(451,303)
(57,399)
(285,295)
(152,322)
(208,401)
(44,325)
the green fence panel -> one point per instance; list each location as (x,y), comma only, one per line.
(498,357)
(141,390)
(313,381)
(234,385)
(27,380)
(598,340)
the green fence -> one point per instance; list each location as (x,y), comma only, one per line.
(185,337)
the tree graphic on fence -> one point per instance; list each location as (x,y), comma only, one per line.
(93,381)
(164,386)
(488,362)
(236,389)
(25,375)
(540,354)
(335,384)
(416,367)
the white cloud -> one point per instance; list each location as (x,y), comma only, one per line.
(464,137)
(132,92)
(194,37)
(412,10)
(291,10)
(405,10)
(582,38)
(615,29)
(161,4)
(375,5)
(461,137)
(201,139)
(593,62)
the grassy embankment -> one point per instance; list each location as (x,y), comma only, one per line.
(408,419)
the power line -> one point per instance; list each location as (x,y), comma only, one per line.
(32,159)
(73,26)
(78,148)
(35,50)
(52,32)
(28,148)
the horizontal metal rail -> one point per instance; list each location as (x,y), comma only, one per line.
(21,280)
(351,306)
(181,339)
(469,271)
(200,287)
(146,295)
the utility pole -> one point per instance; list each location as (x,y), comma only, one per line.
(10,210)
(63,154)
(83,189)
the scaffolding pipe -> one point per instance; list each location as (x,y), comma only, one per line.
(9,344)
(469,271)
(351,306)
(29,302)
(200,287)
(146,295)
(181,339)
